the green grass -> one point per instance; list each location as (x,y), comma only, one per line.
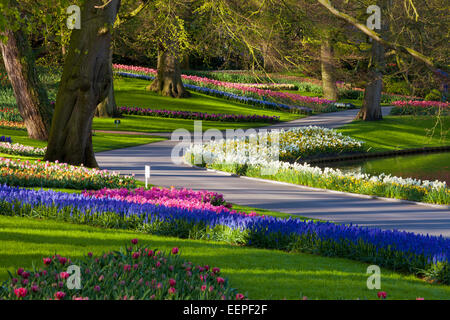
(131,92)
(399,132)
(101,141)
(266,212)
(263,274)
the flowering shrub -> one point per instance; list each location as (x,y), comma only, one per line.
(180,198)
(420,107)
(133,273)
(294,144)
(21,150)
(198,115)
(394,249)
(59,175)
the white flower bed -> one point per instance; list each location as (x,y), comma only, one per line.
(21,150)
(292,144)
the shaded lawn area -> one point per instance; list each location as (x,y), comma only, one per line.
(101,141)
(400,132)
(262,274)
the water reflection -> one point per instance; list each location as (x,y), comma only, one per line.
(430,166)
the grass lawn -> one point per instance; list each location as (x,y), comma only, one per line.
(399,132)
(101,141)
(131,92)
(262,274)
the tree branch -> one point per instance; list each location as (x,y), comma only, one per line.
(375,36)
(123,18)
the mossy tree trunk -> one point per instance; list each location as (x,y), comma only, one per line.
(330,90)
(168,81)
(85,82)
(31,96)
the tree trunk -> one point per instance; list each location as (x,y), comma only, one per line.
(185,63)
(85,82)
(108,107)
(168,81)
(330,90)
(31,97)
(371,108)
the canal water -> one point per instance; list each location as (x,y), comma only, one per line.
(429,166)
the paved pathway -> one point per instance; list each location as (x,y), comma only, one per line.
(289,199)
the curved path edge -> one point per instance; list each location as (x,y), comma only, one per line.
(291,199)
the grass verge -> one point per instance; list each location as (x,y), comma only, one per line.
(400,132)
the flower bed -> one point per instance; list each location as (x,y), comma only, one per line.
(10,114)
(311,102)
(21,150)
(59,175)
(420,108)
(133,273)
(12,125)
(244,158)
(179,198)
(294,145)
(5,139)
(272,86)
(229,96)
(198,115)
(394,249)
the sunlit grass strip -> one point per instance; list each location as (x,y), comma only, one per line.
(394,249)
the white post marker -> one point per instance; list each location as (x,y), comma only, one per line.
(147,175)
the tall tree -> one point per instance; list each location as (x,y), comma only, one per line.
(371,107)
(108,107)
(330,90)
(84,84)
(19,61)
(171,43)
(168,79)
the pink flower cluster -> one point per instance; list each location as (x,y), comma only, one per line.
(237,86)
(170,197)
(422,104)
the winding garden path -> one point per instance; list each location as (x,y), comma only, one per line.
(313,203)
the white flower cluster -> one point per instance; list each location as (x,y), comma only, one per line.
(305,168)
(19,149)
(265,149)
(275,145)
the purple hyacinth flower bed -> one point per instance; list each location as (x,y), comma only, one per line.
(397,250)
